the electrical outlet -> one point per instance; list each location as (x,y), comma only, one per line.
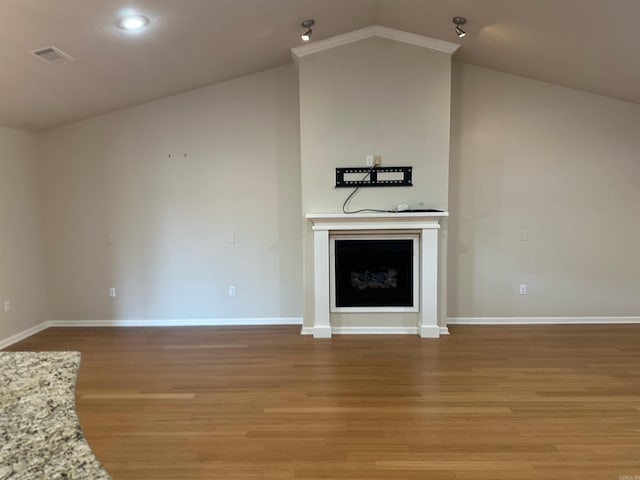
(369,159)
(523,289)
(7,306)
(112,292)
(524,235)
(232,291)
(377,160)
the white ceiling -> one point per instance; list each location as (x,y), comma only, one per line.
(583,44)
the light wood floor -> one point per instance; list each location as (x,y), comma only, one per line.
(489,403)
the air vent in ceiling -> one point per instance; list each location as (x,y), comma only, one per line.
(52,55)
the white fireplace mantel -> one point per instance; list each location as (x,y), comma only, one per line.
(426,224)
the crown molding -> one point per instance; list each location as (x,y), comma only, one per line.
(374,31)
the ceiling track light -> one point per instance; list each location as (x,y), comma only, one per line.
(457,21)
(307,24)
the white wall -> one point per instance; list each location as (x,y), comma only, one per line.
(525,155)
(173,201)
(22,279)
(374,96)
(564,166)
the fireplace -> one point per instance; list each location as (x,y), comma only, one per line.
(421,228)
(374,273)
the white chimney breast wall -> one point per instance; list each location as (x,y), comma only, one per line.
(373,96)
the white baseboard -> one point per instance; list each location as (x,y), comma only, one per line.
(18,337)
(219,322)
(188,322)
(540,320)
(180,322)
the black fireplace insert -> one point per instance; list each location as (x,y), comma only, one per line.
(374,273)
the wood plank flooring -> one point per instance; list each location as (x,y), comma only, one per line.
(485,403)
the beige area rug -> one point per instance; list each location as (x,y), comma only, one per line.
(40,437)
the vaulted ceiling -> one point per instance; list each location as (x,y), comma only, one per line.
(583,44)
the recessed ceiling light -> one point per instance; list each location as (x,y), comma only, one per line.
(133,22)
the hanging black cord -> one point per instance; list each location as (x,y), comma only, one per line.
(355,190)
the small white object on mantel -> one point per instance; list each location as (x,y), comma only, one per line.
(426,223)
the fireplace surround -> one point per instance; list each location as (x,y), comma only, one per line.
(423,225)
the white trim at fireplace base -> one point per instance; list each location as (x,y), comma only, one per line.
(429,331)
(541,320)
(321,331)
(371,331)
